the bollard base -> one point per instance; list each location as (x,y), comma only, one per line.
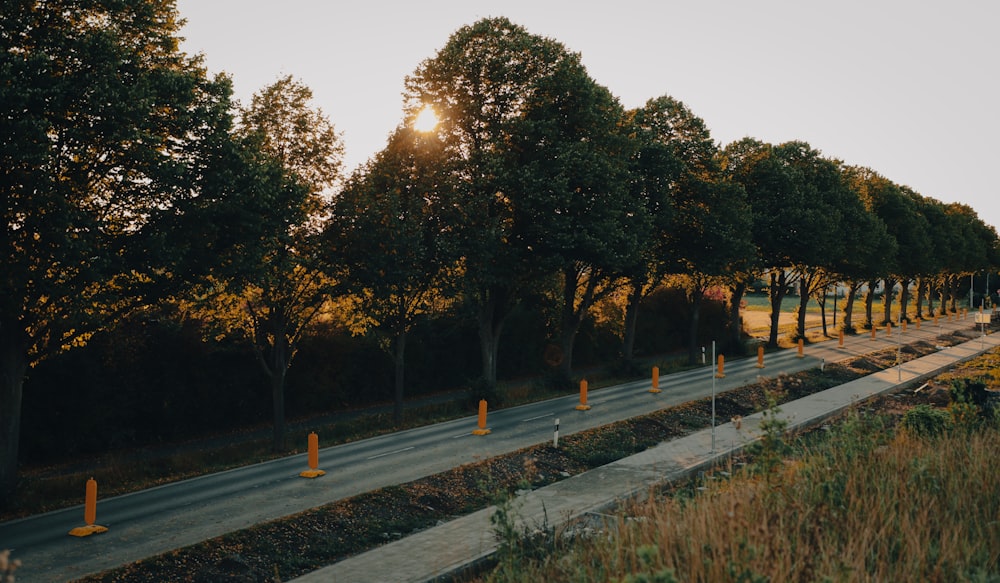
(481,432)
(312,473)
(583,407)
(720,376)
(88,530)
(655,391)
(760,366)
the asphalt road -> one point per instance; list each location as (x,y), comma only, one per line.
(175,515)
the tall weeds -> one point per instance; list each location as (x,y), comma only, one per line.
(865,504)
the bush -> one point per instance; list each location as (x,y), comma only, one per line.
(926,421)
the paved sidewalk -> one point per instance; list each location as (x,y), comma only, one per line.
(444,549)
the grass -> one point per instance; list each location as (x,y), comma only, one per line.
(862,502)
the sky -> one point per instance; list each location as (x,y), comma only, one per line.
(908,89)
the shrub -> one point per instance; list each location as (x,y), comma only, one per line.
(926,421)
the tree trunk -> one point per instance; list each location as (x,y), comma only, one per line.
(573,315)
(852,292)
(821,300)
(776,293)
(803,306)
(904,299)
(13,366)
(631,320)
(695,299)
(278,405)
(870,304)
(398,360)
(736,316)
(890,283)
(921,294)
(491,320)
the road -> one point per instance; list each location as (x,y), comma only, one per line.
(172,516)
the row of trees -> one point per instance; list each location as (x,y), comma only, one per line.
(131,178)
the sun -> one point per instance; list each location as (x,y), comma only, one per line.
(426,120)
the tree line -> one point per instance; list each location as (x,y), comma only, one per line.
(135,188)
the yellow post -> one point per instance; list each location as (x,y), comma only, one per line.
(89,513)
(888,328)
(801,344)
(840,339)
(482,419)
(583,406)
(918,323)
(656,380)
(313,471)
(720,370)
(935,320)
(760,356)
(903,323)
(874,330)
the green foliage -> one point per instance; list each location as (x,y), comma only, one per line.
(647,555)
(926,421)
(771,448)
(974,393)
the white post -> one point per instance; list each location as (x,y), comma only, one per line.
(555,436)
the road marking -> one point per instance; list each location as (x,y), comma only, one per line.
(391,452)
(537,418)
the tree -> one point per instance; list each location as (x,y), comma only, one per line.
(284,292)
(391,246)
(530,142)
(708,237)
(104,126)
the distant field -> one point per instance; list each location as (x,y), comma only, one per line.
(791,303)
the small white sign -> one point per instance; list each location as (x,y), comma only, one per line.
(982,318)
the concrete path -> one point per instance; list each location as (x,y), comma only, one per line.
(444,549)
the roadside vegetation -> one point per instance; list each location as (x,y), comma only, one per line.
(889,492)
(868,500)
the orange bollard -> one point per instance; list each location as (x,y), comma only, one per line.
(89,513)
(918,323)
(874,330)
(720,369)
(935,320)
(888,328)
(656,380)
(482,419)
(903,324)
(801,344)
(840,339)
(313,471)
(760,356)
(583,406)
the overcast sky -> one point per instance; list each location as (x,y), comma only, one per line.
(908,89)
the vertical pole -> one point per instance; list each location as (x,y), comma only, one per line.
(583,406)
(720,367)
(888,329)
(760,356)
(313,472)
(313,451)
(482,419)
(90,503)
(874,329)
(801,345)
(714,376)
(656,380)
(555,435)
(840,339)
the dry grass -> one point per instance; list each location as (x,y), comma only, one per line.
(864,504)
